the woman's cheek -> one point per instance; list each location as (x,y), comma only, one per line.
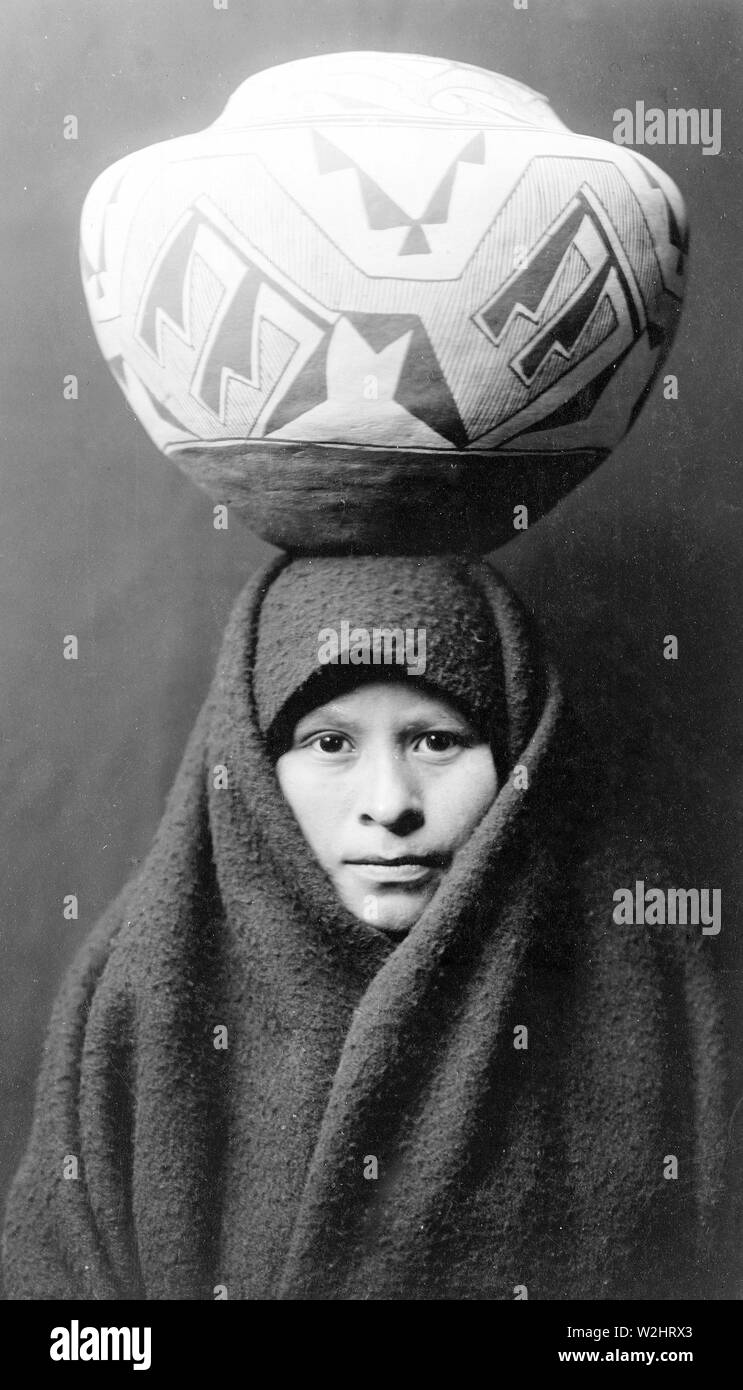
(300,789)
(317,797)
(464,797)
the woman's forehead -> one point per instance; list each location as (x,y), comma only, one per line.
(387,701)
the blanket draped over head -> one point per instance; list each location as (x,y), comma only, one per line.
(486,1109)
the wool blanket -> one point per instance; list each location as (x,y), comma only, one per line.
(249,1093)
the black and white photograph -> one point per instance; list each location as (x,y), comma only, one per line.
(371,682)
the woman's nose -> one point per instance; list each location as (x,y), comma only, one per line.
(390,795)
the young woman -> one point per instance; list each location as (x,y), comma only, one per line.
(363,1026)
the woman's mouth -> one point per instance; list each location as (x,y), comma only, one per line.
(409,868)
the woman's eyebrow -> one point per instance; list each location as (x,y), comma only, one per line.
(328,714)
(430,714)
(413,723)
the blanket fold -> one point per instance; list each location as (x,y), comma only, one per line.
(266,1096)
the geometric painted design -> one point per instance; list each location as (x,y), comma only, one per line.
(382,211)
(559,311)
(393,354)
(226,330)
(678,237)
(407,254)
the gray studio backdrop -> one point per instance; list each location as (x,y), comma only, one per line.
(103,538)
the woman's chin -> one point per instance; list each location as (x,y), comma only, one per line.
(394,910)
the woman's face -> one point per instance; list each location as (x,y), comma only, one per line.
(387,783)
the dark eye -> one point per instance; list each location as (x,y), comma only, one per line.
(330,743)
(440,741)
